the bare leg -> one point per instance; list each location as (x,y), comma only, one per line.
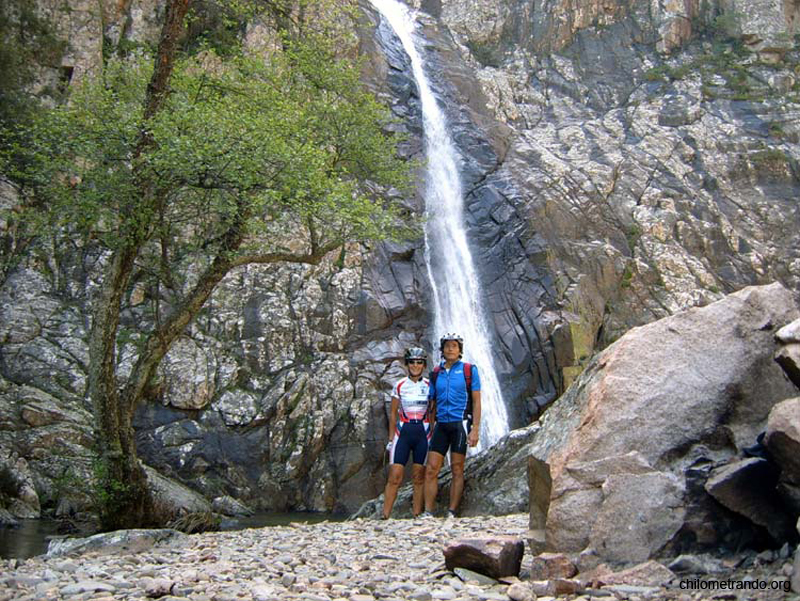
(418,479)
(392,484)
(435,461)
(457,461)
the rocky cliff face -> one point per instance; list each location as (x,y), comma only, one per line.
(650,148)
(623,160)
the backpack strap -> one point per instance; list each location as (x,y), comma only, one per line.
(430,411)
(432,380)
(468,380)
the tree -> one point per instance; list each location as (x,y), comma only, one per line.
(28,46)
(195,159)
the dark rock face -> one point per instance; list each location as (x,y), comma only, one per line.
(748,488)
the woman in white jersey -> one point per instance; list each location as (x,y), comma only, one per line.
(409,431)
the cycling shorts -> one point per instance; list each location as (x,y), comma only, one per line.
(451,436)
(413,438)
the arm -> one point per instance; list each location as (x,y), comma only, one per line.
(475,433)
(393,417)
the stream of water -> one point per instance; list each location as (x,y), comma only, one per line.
(451,270)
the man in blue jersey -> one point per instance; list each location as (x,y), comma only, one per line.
(458,420)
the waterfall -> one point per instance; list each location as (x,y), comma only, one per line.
(451,271)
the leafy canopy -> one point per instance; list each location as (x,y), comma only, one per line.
(275,145)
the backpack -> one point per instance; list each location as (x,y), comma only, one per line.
(467,378)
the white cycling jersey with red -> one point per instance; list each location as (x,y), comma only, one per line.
(413,397)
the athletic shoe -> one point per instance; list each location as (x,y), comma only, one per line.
(425,515)
(450,514)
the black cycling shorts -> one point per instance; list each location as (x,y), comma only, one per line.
(413,438)
(451,436)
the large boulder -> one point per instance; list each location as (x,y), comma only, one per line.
(691,389)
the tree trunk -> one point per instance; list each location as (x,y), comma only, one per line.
(123,496)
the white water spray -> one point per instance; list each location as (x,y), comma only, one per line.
(454,282)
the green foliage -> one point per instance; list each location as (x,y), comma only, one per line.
(627,277)
(725,26)
(67,482)
(107,491)
(659,73)
(276,143)
(728,70)
(776,130)
(632,235)
(486,53)
(27,45)
(199,163)
(771,159)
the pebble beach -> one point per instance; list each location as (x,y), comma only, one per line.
(359,560)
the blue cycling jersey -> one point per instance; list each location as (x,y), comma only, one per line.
(451,392)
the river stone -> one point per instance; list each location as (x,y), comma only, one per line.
(113,543)
(789,333)
(547,566)
(788,356)
(495,557)
(696,564)
(649,573)
(172,497)
(520,591)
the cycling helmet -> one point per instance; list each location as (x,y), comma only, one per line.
(415,352)
(452,336)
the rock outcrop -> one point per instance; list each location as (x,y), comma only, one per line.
(666,401)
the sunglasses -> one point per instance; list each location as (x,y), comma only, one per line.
(416,362)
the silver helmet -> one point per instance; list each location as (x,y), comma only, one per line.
(452,336)
(415,352)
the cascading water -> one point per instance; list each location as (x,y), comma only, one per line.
(454,282)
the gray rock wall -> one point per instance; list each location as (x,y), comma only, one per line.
(655,163)
(618,170)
